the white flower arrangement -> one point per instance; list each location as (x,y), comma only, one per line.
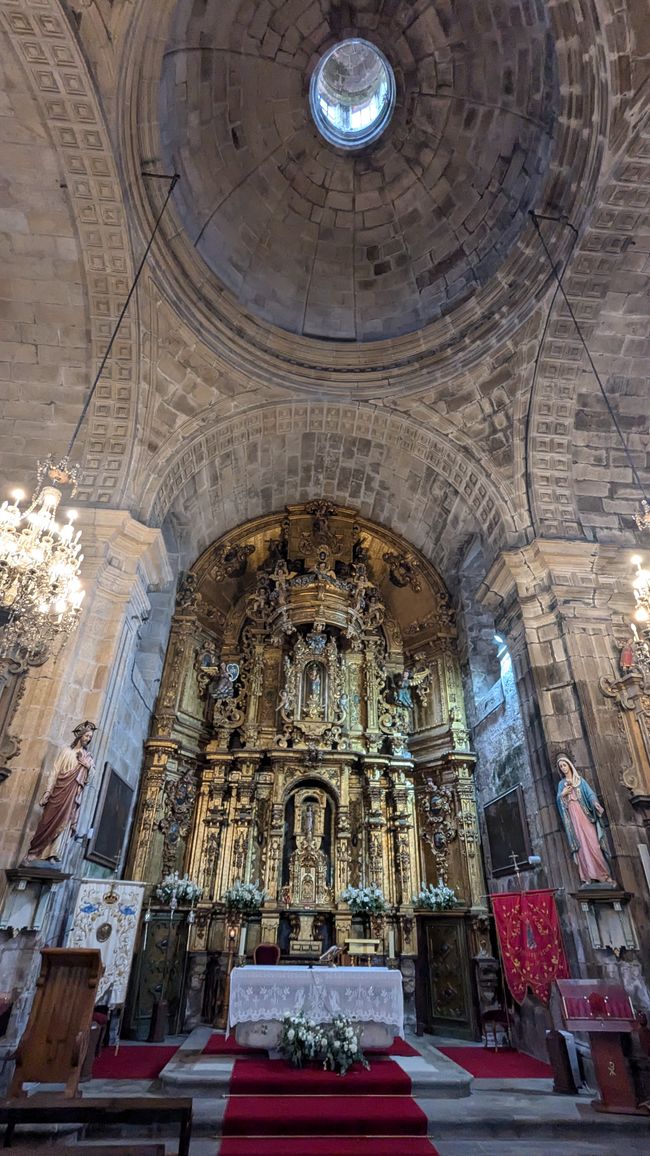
(174,889)
(335,1045)
(342,1048)
(244,897)
(365,900)
(439,898)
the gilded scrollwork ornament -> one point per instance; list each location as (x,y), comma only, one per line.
(178,807)
(230,561)
(403,570)
(438,813)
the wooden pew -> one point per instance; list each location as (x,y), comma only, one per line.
(52,1108)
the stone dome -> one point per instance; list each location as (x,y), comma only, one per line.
(371,243)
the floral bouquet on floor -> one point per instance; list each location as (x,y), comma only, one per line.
(302,1039)
(244,897)
(365,900)
(174,889)
(342,1047)
(439,898)
(335,1045)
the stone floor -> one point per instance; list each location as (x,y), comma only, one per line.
(491,1118)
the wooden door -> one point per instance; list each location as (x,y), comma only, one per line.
(446,1000)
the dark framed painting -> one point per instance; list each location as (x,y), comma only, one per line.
(111,819)
(507,832)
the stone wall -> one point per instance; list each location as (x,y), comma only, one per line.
(106,673)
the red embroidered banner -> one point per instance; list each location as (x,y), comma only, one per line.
(531,942)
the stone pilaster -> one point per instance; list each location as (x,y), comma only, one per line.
(562,606)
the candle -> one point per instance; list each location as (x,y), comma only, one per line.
(391,942)
(242,939)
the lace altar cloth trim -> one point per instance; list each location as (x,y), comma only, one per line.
(365,994)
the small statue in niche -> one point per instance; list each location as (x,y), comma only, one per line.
(313,691)
(580,813)
(223,685)
(308,824)
(61,802)
(207,667)
(403,696)
(626,660)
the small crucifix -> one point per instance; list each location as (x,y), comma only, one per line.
(515,863)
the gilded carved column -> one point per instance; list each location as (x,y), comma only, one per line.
(160,756)
(404,843)
(376,864)
(468,830)
(211,818)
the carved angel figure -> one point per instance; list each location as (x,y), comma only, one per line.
(223,685)
(403,694)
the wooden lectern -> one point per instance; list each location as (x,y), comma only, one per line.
(605,1012)
(54,1044)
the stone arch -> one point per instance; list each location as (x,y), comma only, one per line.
(417,483)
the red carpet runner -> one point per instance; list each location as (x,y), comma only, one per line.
(133,1062)
(220,1045)
(277,1110)
(487,1065)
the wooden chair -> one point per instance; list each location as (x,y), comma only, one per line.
(53,1047)
(266,953)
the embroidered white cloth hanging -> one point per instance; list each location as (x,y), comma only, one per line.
(364,994)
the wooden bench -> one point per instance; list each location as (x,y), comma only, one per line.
(50,1108)
(95,1150)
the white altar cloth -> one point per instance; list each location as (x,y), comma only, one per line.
(365,994)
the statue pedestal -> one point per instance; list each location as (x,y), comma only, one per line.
(27,896)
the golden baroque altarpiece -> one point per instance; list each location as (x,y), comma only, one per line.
(310,733)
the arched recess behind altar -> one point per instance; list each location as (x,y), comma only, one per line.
(310,733)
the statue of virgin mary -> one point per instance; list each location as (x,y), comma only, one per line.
(580,813)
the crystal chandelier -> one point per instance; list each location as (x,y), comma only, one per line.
(643,519)
(641,587)
(40,559)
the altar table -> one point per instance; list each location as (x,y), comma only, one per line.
(260,996)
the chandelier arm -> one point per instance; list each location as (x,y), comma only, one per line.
(536,218)
(173,181)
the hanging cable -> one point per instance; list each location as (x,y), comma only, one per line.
(173,181)
(536,218)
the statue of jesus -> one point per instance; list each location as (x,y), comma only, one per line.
(72,769)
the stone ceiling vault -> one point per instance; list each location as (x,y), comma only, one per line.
(198,360)
(467,155)
(348,246)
